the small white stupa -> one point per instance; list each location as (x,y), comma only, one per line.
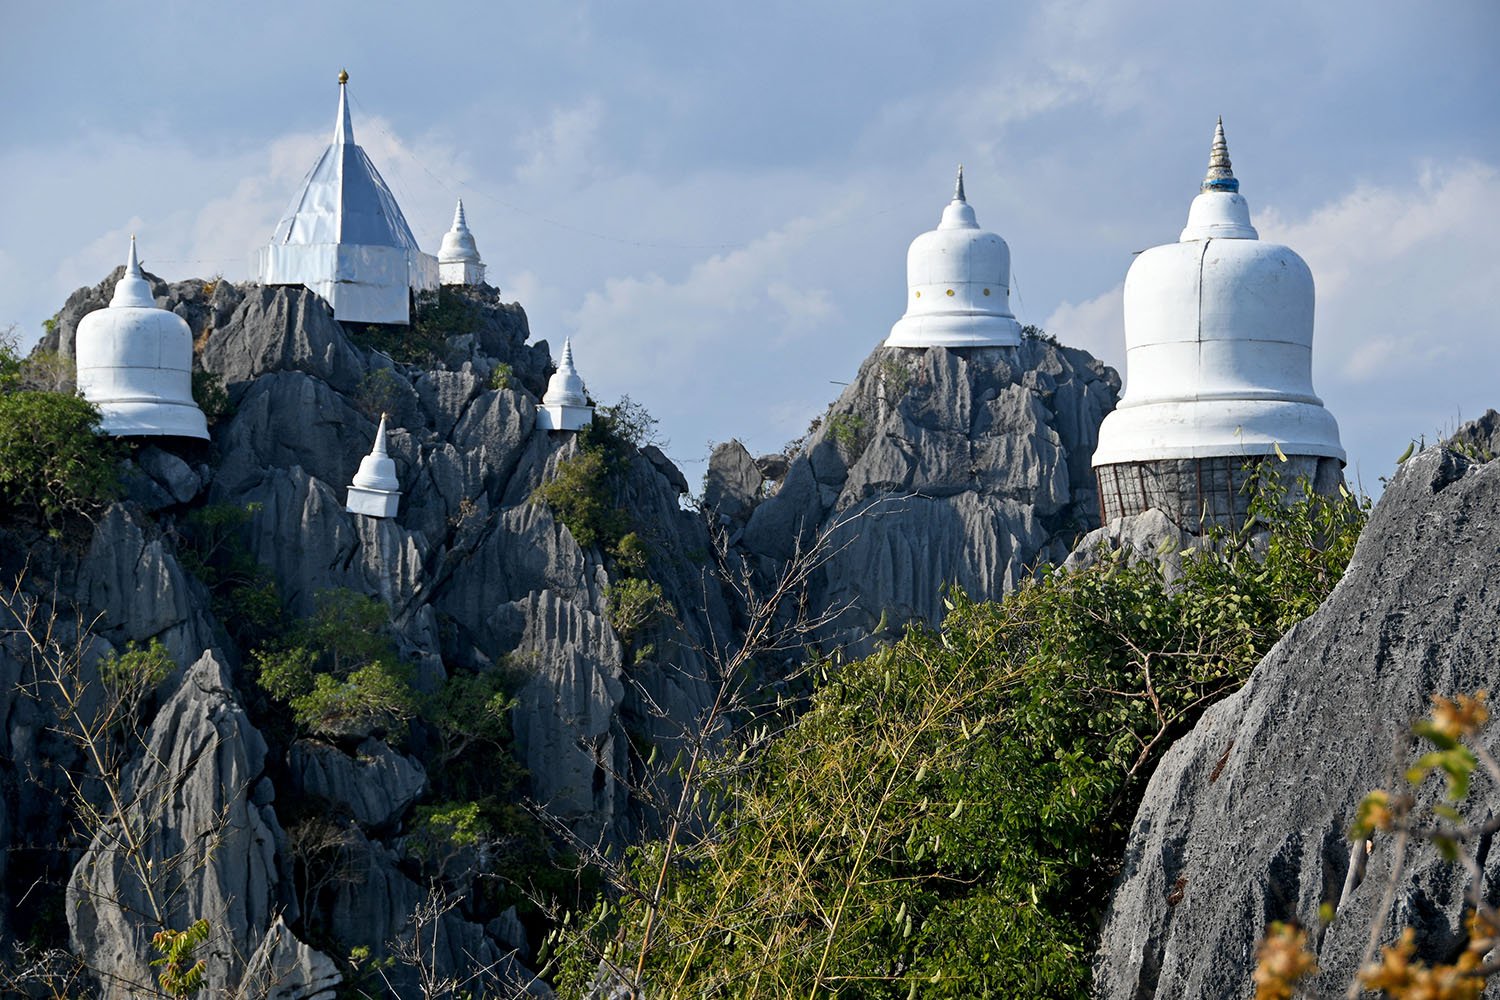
(958,285)
(344,237)
(565,407)
(1218,349)
(458,258)
(135,362)
(376,491)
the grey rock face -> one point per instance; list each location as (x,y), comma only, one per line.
(1141,537)
(1482,435)
(936,467)
(732,486)
(283,968)
(206,849)
(1245,819)
(375,785)
(284,329)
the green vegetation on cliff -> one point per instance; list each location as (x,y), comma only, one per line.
(946,818)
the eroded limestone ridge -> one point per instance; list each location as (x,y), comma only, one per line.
(1246,819)
(934,468)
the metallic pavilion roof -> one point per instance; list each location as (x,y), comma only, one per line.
(344,199)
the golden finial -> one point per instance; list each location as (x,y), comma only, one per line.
(343,77)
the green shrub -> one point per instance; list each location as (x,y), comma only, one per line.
(211,396)
(338,670)
(53,461)
(947,818)
(376,696)
(137,668)
(502,376)
(581,496)
(627,425)
(848,432)
(379,392)
(633,604)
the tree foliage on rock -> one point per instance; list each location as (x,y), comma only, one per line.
(53,460)
(945,820)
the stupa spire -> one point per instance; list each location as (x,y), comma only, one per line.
(459,222)
(375,492)
(958,187)
(132,290)
(381,449)
(565,407)
(343,131)
(1220,171)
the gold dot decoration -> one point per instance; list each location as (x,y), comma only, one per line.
(950,292)
(919,295)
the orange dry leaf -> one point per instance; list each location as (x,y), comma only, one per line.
(1282,961)
(1460,717)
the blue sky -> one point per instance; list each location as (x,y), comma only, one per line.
(715,202)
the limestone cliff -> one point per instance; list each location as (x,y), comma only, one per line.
(1245,819)
(933,468)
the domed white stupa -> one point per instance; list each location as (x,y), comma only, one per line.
(958,279)
(458,257)
(565,407)
(1218,334)
(344,236)
(375,492)
(135,362)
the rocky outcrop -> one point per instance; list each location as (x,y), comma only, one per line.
(1245,819)
(196,839)
(374,786)
(935,467)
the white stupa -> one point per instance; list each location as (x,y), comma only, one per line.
(344,237)
(458,258)
(135,362)
(1218,335)
(565,407)
(958,285)
(375,492)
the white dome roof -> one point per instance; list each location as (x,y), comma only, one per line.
(458,243)
(377,470)
(958,285)
(565,387)
(135,362)
(1218,333)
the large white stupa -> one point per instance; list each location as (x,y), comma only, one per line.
(566,405)
(344,237)
(958,285)
(135,362)
(458,257)
(1218,335)
(375,492)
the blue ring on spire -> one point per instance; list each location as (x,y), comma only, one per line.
(1231,184)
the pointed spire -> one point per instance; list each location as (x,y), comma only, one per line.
(565,363)
(958,188)
(1220,170)
(379,450)
(343,131)
(459,222)
(132,290)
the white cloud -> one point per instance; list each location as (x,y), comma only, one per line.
(564,149)
(1096,325)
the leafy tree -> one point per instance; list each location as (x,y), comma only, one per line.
(53,461)
(946,817)
(338,670)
